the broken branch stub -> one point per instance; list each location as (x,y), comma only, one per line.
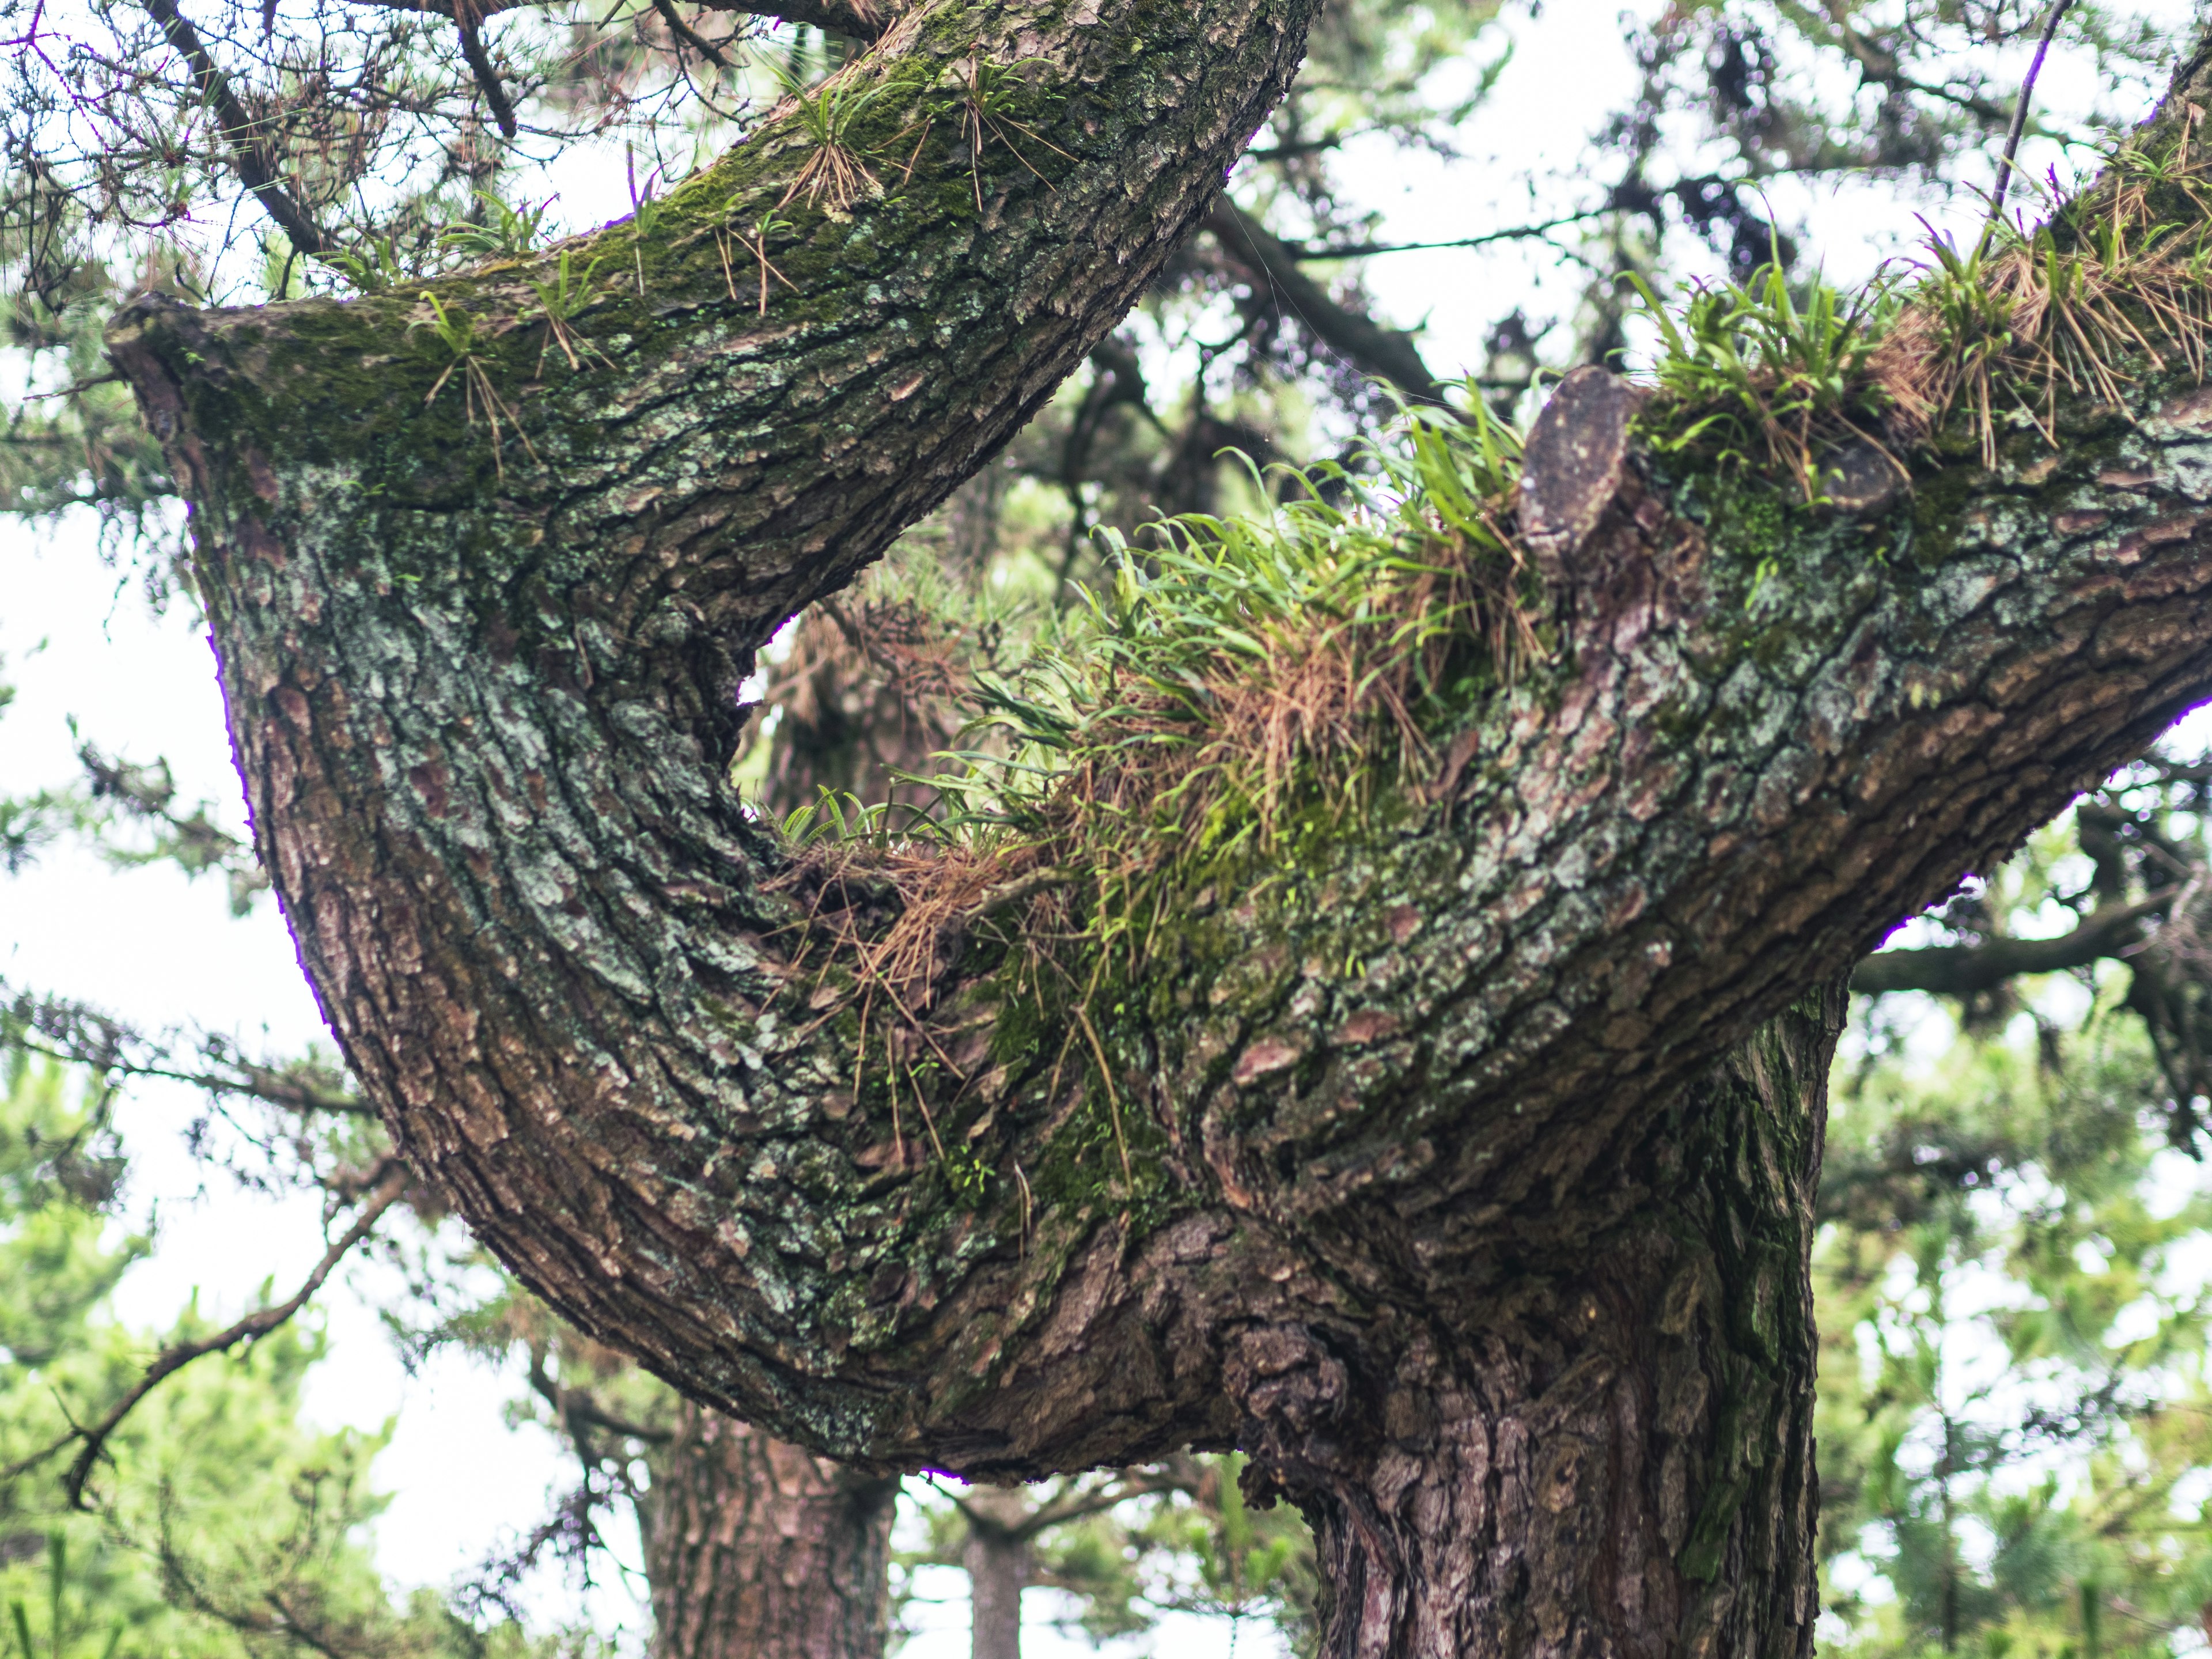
(1575,463)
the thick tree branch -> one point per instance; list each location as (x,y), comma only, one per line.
(485,709)
(1961,970)
(1452,1154)
(257,170)
(856,20)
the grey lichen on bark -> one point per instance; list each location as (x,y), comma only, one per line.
(1382,1110)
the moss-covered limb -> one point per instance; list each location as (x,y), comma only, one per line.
(482,699)
(904,338)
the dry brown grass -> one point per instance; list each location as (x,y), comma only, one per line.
(2115,289)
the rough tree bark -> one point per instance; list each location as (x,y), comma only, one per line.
(756,1550)
(1469,1185)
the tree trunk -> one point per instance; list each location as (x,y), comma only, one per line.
(1615,1457)
(756,1550)
(997,1559)
(1397,1115)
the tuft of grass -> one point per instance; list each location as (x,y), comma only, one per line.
(512,232)
(373,265)
(561,300)
(835,173)
(1247,687)
(461,348)
(989,93)
(755,243)
(1754,375)
(1242,685)
(2113,286)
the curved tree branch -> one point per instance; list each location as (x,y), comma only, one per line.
(465,19)
(1960,971)
(1327,1178)
(483,724)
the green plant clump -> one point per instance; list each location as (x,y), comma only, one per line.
(1243,686)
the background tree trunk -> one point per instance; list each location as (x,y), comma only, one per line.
(757,1550)
(997,1558)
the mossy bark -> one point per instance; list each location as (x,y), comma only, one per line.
(483,704)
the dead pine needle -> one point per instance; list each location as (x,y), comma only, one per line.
(755,243)
(928,1121)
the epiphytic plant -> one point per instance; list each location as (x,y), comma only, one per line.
(989,93)
(455,333)
(835,173)
(559,303)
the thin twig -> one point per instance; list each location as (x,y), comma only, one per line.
(579,1407)
(72,390)
(689,36)
(2058,9)
(251,1328)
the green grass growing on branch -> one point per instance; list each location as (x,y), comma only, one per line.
(2115,286)
(1757,376)
(1247,691)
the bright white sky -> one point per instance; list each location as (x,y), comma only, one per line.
(78,642)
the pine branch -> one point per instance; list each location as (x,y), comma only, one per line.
(254,167)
